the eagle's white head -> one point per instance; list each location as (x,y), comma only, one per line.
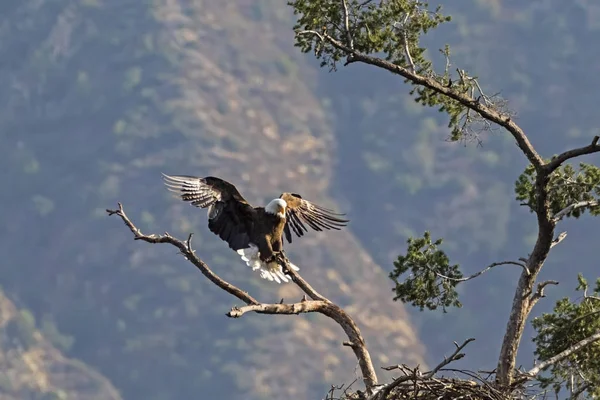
(277,207)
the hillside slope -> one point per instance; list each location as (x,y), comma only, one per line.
(32,368)
(106,95)
(100,96)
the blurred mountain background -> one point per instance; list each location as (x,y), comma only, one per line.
(100,96)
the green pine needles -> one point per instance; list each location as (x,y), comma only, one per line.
(432,280)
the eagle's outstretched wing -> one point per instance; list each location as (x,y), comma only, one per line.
(230,216)
(318,218)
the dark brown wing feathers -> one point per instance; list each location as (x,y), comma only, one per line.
(300,212)
(230,216)
(202,192)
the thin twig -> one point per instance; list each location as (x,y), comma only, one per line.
(447,67)
(584,316)
(457,355)
(485,98)
(486,269)
(364,3)
(402,28)
(411,63)
(385,391)
(311,32)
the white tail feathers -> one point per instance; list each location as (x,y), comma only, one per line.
(271,271)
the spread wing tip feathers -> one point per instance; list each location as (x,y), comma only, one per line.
(175,183)
(194,190)
(300,212)
(180,181)
(171,184)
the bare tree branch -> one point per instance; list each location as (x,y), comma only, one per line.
(561,236)
(466,100)
(532,373)
(349,41)
(539,294)
(311,32)
(298,280)
(409,59)
(561,158)
(319,303)
(295,308)
(333,311)
(561,214)
(401,26)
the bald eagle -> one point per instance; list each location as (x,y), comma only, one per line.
(255,233)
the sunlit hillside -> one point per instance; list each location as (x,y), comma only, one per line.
(101,96)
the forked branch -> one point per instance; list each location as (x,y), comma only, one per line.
(318,304)
(539,293)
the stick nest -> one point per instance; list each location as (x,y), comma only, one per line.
(465,385)
(444,389)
